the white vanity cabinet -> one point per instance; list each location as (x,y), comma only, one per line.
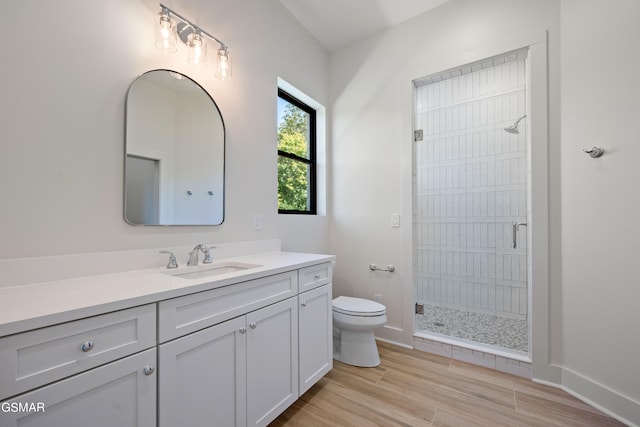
(203,379)
(315,336)
(109,379)
(315,323)
(272,361)
(232,351)
(240,372)
(121,393)
(243,371)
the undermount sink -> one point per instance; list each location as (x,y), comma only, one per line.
(208,270)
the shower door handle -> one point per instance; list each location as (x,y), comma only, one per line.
(516,225)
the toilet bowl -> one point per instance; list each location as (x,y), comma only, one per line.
(354,320)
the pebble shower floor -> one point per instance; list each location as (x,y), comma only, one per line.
(481,328)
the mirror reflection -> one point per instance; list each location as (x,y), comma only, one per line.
(174,156)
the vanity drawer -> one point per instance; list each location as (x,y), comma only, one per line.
(32,359)
(190,313)
(314,276)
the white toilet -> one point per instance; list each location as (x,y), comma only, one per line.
(354,320)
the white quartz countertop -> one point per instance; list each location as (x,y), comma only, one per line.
(42,304)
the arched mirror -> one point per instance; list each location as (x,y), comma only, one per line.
(174,155)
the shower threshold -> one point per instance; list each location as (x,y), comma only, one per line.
(485,330)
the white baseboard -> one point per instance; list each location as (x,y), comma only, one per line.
(410,347)
(612,403)
(597,395)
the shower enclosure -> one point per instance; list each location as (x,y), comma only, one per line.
(471,208)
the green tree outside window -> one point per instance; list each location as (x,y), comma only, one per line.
(295,160)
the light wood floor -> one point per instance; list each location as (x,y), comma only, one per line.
(413,388)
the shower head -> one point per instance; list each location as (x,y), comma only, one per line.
(514,127)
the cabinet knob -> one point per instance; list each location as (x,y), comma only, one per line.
(243,330)
(86,346)
(303,303)
(252,325)
(316,277)
(148,370)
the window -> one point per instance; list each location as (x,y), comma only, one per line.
(296,156)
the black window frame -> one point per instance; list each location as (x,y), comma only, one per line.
(311,161)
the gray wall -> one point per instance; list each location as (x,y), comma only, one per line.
(589,344)
(62,120)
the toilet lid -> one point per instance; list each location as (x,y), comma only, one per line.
(358,306)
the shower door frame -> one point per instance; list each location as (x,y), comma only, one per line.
(538,231)
(480,288)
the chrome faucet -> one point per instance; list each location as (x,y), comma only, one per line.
(172,259)
(193,255)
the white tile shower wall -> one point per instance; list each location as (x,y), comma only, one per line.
(471,184)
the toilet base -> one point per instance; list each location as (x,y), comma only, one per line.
(355,348)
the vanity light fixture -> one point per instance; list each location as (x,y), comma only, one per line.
(165,35)
(172,25)
(224,64)
(197,49)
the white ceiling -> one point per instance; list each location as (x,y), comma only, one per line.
(336,23)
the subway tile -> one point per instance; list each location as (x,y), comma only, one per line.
(522,371)
(489,356)
(431,348)
(470,358)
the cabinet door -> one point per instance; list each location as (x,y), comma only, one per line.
(121,393)
(315,335)
(202,380)
(272,361)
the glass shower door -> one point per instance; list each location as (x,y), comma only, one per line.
(470,203)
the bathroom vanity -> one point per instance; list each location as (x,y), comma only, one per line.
(234,344)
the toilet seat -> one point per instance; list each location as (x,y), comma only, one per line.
(358,307)
(354,320)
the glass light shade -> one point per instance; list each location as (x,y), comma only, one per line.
(223,71)
(197,49)
(165,34)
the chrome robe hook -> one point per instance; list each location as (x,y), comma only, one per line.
(595,152)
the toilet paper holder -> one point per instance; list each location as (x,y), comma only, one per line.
(390,268)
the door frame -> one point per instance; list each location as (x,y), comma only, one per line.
(165,170)
(538,232)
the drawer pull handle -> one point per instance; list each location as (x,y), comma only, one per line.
(303,303)
(148,370)
(253,325)
(86,346)
(316,277)
(243,330)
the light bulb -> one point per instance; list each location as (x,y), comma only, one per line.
(224,64)
(165,35)
(197,49)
